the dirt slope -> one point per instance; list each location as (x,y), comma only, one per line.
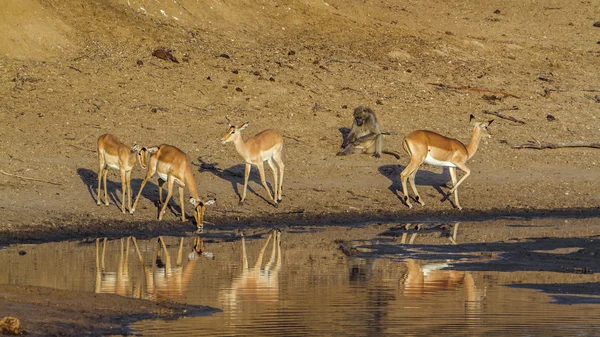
(73,71)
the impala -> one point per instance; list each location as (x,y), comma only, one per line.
(112,154)
(265,146)
(434,149)
(173,166)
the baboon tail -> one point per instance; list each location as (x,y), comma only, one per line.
(392,153)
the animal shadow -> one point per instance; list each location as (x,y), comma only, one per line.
(423,178)
(114,191)
(345,132)
(235,175)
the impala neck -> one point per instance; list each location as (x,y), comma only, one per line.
(191,185)
(474,143)
(132,159)
(240,144)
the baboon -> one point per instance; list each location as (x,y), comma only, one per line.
(365,135)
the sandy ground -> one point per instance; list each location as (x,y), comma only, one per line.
(71,72)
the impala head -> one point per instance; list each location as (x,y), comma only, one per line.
(482,126)
(141,154)
(232,131)
(199,209)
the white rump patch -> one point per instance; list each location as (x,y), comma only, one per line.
(432,161)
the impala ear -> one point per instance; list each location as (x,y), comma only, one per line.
(471,117)
(228,121)
(135,148)
(490,122)
(243,126)
(152,150)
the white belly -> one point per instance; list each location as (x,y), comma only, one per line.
(165,177)
(113,166)
(432,161)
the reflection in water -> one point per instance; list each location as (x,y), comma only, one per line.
(161,281)
(256,284)
(428,278)
(375,280)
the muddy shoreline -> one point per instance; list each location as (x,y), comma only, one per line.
(54,312)
(80,227)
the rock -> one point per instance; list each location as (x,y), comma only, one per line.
(164,54)
(10,326)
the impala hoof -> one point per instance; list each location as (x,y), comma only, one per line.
(107,203)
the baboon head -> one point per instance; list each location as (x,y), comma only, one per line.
(232,131)
(361,114)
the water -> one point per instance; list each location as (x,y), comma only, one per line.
(510,277)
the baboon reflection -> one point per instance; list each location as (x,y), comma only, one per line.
(257,283)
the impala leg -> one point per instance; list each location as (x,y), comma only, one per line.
(259,259)
(411,179)
(160,194)
(281,166)
(261,172)
(463,167)
(123,189)
(128,190)
(149,174)
(244,255)
(412,167)
(274,169)
(182,203)
(246,175)
(453,177)
(467,173)
(169,195)
(105,192)
(100,172)
(180,253)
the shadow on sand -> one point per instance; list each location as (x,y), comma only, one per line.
(114,190)
(423,178)
(235,175)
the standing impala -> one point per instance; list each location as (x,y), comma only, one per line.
(112,154)
(434,149)
(173,166)
(266,145)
